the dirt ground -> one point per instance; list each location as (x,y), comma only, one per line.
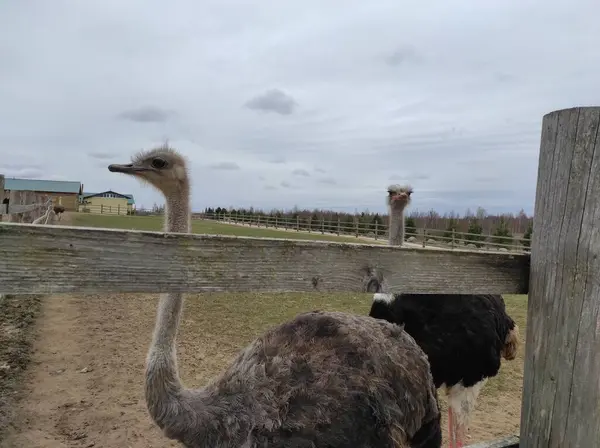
(84,385)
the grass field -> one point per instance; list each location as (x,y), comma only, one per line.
(201,226)
(84,386)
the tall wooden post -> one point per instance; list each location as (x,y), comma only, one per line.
(561,389)
(1,194)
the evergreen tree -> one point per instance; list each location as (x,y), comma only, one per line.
(526,241)
(410,227)
(451,228)
(502,235)
(475,232)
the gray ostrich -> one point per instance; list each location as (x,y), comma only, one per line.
(322,379)
(397,200)
(464,335)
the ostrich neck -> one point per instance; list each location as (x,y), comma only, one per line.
(396,225)
(163,386)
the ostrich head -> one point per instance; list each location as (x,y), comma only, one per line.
(399,196)
(162,167)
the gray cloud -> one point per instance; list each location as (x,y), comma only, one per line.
(24,173)
(146,114)
(320,170)
(6,166)
(328,181)
(285,184)
(102,155)
(278,160)
(273,100)
(270,187)
(224,166)
(420,176)
(403,55)
(300,172)
(396,177)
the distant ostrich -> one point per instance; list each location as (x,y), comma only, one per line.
(59,210)
(464,336)
(322,379)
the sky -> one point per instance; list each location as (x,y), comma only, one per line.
(315,104)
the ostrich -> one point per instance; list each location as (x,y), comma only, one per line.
(464,336)
(321,379)
(59,210)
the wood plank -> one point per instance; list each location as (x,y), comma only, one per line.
(505,442)
(2,207)
(48,259)
(561,391)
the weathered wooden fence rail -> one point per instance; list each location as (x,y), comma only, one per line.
(561,397)
(63,259)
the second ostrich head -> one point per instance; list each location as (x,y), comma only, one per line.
(166,170)
(398,199)
(399,196)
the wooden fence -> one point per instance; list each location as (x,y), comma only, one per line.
(449,239)
(561,395)
(424,237)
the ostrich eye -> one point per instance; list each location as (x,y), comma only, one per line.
(159,163)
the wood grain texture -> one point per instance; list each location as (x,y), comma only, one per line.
(505,442)
(561,394)
(49,259)
(2,207)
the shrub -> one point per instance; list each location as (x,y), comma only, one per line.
(526,241)
(502,235)
(475,233)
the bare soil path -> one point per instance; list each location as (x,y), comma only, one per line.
(84,385)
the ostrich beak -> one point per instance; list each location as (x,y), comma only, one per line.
(127,169)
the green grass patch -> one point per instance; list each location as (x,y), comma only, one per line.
(201,226)
(225,322)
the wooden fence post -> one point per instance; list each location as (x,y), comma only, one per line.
(1,194)
(561,388)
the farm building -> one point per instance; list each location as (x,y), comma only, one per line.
(107,202)
(65,193)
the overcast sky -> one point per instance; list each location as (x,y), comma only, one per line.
(315,103)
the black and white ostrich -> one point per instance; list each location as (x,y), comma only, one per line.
(464,335)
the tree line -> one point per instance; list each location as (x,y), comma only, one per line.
(478,223)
